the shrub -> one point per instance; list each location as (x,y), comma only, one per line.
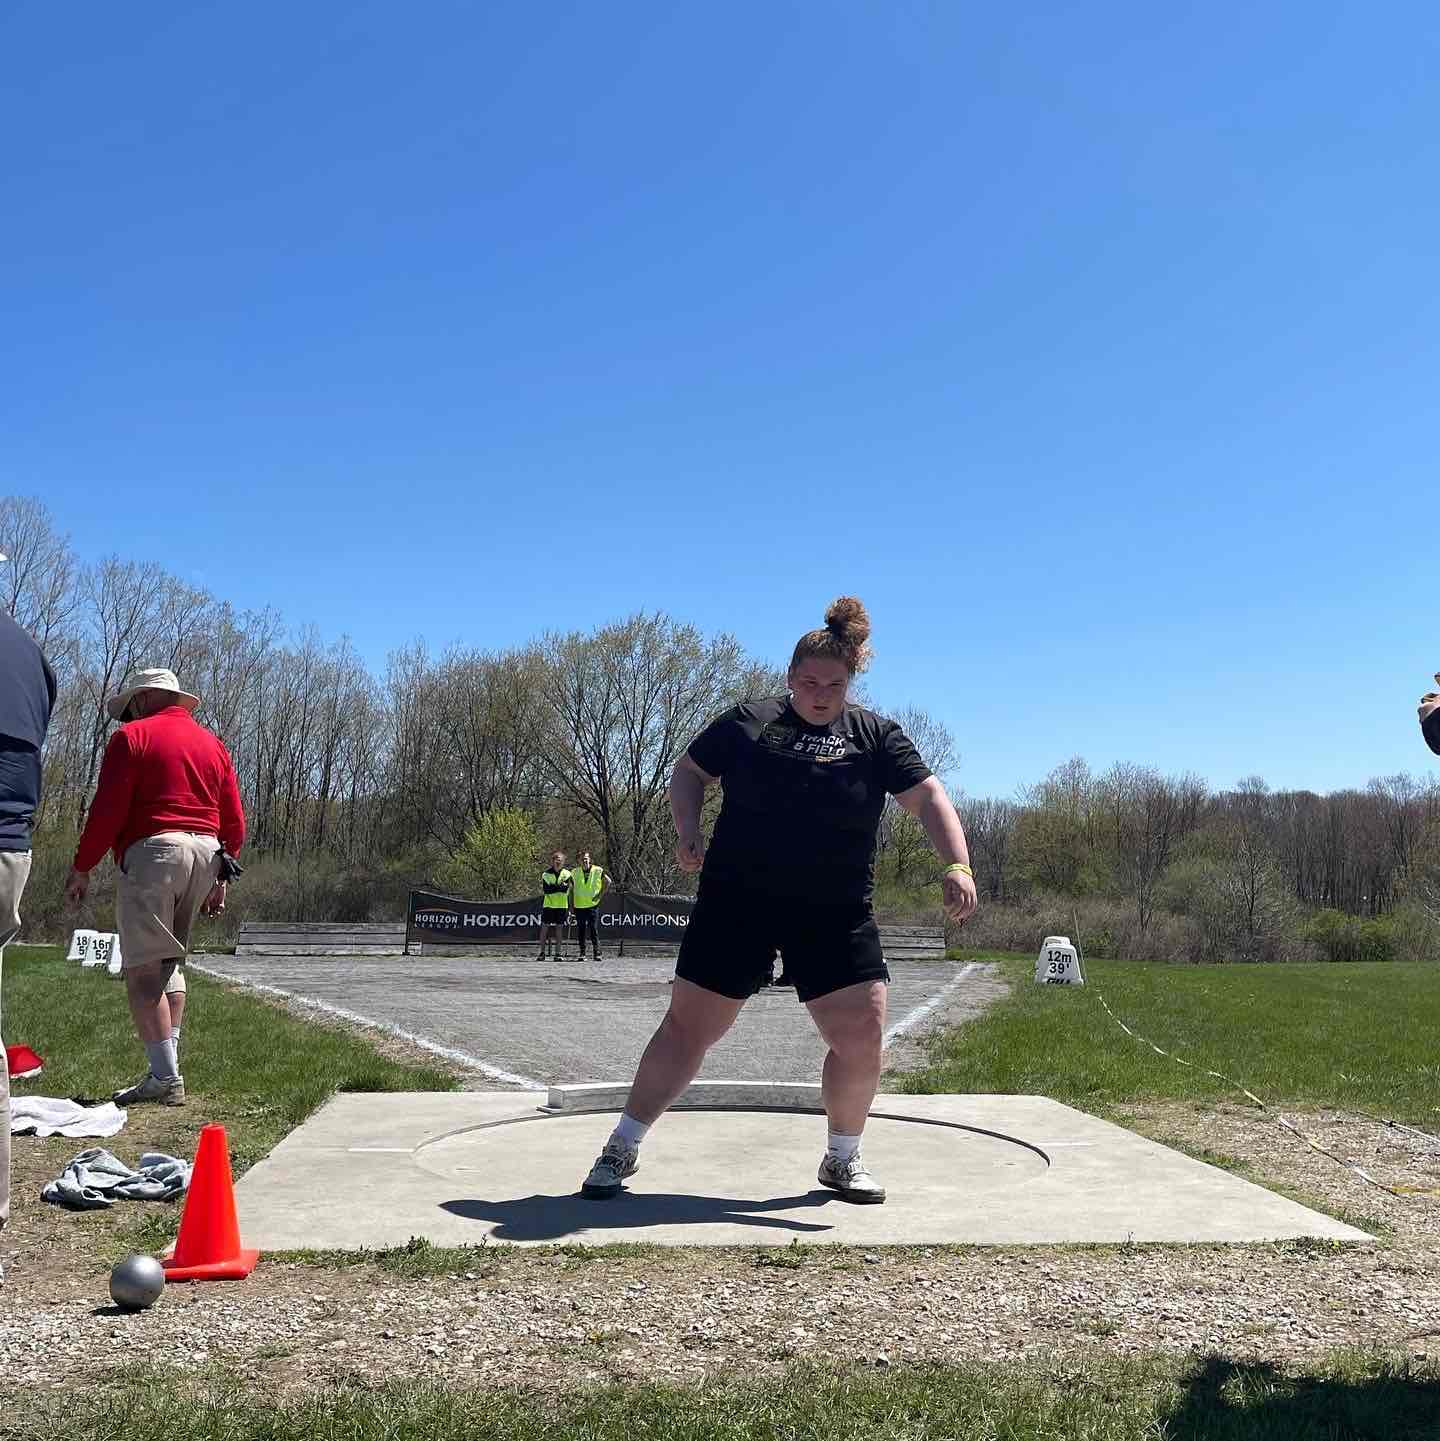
(1340,937)
(1414,932)
(497,860)
(1106,928)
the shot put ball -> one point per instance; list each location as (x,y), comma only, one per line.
(137,1282)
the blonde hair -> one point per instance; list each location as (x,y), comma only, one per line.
(845,638)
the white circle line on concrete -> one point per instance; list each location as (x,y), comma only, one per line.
(926,1007)
(738,1108)
(495,1073)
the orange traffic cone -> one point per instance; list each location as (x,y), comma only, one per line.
(208,1247)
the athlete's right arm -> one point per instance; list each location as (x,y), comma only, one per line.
(687,795)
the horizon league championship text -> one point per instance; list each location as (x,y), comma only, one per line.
(453,920)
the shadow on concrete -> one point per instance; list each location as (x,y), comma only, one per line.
(1227,1400)
(548,1218)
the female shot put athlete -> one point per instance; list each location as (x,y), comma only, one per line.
(791,864)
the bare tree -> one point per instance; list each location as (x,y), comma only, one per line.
(488,733)
(1148,815)
(121,615)
(902,838)
(624,702)
(990,829)
(38,574)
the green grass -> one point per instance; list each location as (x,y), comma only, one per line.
(1354,1036)
(1090,1398)
(248,1065)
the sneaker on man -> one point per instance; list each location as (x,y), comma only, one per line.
(152,1088)
(616,1163)
(852,1179)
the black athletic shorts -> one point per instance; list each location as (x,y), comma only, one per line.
(555,915)
(734,933)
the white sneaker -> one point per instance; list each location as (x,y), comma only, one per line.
(852,1179)
(617,1161)
(152,1088)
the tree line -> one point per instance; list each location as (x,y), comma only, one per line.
(462,769)
(576,731)
(1157,865)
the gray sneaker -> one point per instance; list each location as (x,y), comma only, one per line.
(617,1162)
(152,1088)
(851,1179)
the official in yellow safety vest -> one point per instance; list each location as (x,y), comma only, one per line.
(554,905)
(587,885)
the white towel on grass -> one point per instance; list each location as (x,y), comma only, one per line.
(95,1177)
(49,1116)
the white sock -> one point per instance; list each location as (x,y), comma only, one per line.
(631,1131)
(175,1037)
(161,1055)
(843,1147)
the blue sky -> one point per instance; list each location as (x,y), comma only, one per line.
(1095,347)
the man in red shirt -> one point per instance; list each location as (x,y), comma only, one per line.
(167,803)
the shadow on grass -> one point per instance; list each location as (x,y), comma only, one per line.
(548,1218)
(1225,1400)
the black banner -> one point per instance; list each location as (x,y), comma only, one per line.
(623,916)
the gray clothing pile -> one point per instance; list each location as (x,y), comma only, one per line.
(94,1178)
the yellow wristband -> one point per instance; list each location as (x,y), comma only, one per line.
(959,866)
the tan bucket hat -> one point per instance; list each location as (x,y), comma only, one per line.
(149,680)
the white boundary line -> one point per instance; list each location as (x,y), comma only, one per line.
(925,1007)
(495,1073)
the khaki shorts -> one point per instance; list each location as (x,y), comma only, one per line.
(164,880)
(14,871)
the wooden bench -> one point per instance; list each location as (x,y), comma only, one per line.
(912,943)
(387,938)
(320,938)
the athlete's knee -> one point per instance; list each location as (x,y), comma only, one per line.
(860,1043)
(693,1031)
(857,1035)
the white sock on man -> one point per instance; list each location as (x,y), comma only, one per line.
(842,1147)
(175,1036)
(161,1055)
(629,1130)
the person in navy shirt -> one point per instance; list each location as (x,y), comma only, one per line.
(27,696)
(1430,717)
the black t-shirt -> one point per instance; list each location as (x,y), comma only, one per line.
(802,803)
(27,696)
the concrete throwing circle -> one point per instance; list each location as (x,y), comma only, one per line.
(465,1168)
(746,1156)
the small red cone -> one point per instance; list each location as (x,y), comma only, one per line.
(208,1247)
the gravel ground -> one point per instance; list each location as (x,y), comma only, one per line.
(558,1320)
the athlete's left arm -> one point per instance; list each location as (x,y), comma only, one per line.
(929,804)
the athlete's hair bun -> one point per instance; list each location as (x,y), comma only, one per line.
(845,638)
(847,621)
